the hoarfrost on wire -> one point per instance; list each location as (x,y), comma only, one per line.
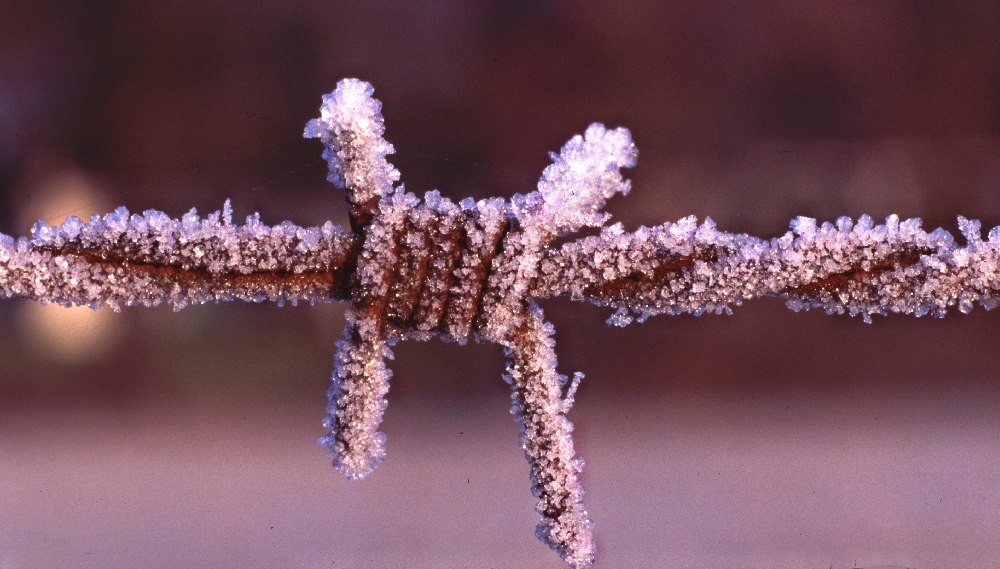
(350,126)
(582,177)
(131,259)
(845,267)
(416,268)
(465,289)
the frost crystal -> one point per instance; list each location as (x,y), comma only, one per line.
(357,399)
(584,174)
(540,407)
(417,268)
(122,259)
(430,268)
(351,128)
(856,268)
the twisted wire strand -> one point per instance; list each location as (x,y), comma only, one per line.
(122,259)
(845,267)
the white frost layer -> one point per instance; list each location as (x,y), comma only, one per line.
(118,259)
(582,177)
(847,267)
(351,129)
(571,193)
(422,264)
(356,398)
(540,407)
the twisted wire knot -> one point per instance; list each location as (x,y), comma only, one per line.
(424,265)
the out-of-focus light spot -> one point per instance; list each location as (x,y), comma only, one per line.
(63,192)
(68,335)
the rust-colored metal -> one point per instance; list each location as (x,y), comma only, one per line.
(837,281)
(445,250)
(331,282)
(626,286)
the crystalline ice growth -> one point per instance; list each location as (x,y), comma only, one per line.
(357,399)
(123,259)
(861,269)
(571,193)
(581,178)
(351,128)
(546,437)
(420,268)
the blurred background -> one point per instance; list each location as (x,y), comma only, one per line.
(158,439)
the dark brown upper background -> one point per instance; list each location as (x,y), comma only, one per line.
(751,115)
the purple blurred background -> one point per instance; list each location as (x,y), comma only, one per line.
(769,438)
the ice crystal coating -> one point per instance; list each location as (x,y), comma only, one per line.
(417,268)
(570,194)
(581,178)
(357,398)
(846,267)
(431,268)
(546,437)
(122,259)
(351,128)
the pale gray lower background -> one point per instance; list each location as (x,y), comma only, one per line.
(878,480)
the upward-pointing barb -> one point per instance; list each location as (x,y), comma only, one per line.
(351,128)
(582,177)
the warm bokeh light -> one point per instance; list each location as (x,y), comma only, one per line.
(69,335)
(57,189)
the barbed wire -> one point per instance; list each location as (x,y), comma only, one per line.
(417,268)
